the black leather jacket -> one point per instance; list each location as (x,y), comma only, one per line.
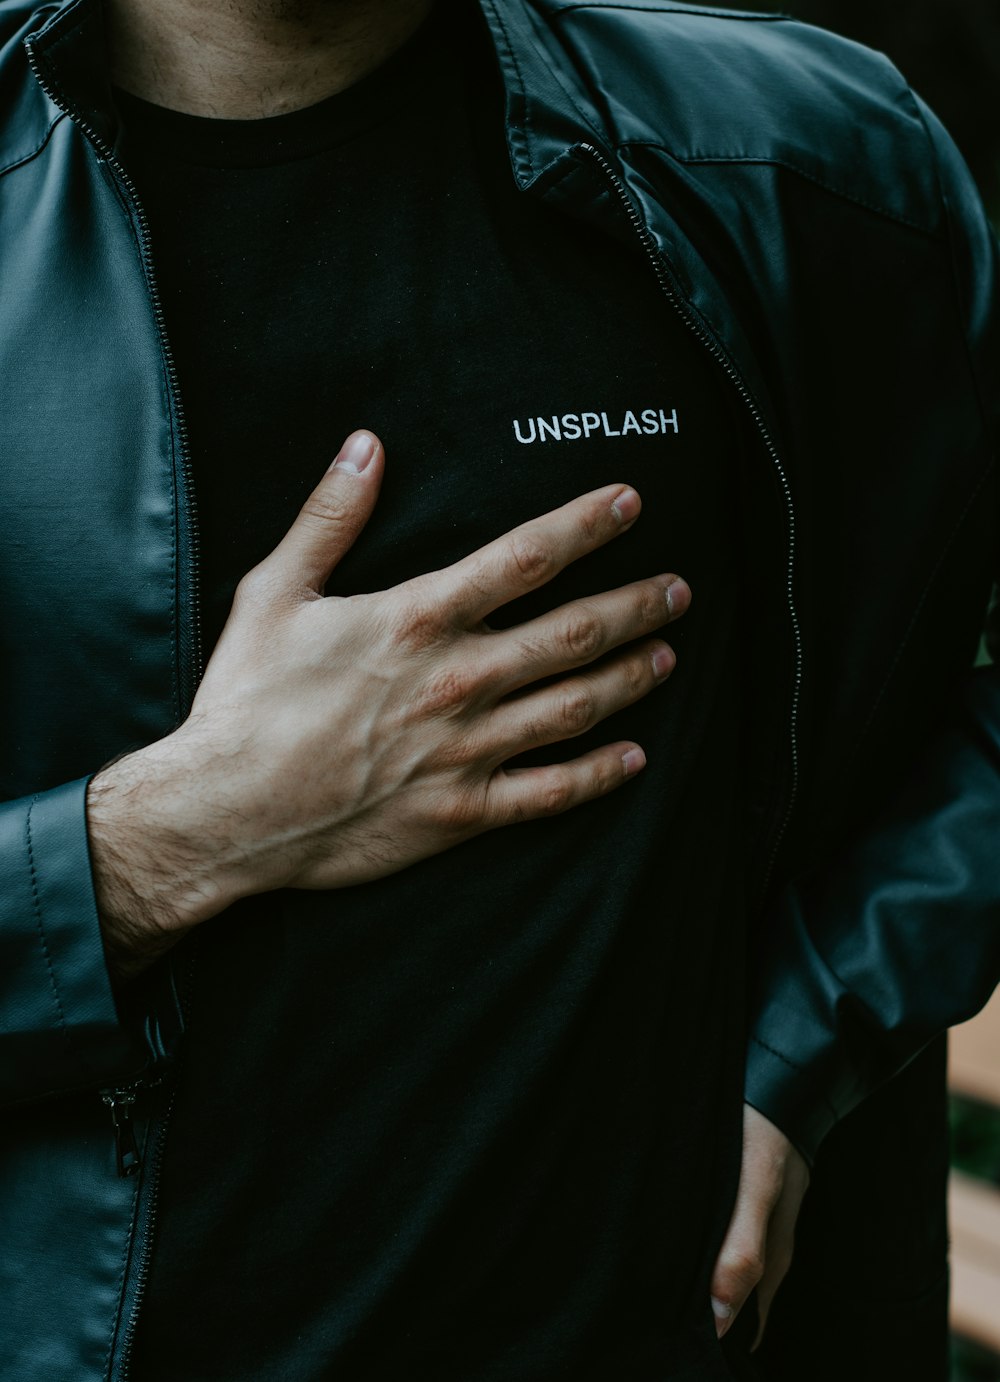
(815,229)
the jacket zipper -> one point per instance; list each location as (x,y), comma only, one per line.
(191,667)
(717,352)
(141,1233)
(121,1101)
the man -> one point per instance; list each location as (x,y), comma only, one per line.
(455,1102)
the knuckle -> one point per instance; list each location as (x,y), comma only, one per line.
(576,710)
(254,590)
(653,608)
(744,1268)
(637,675)
(584,637)
(418,626)
(530,560)
(554,797)
(323,507)
(447,692)
(592,521)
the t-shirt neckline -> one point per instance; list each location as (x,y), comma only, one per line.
(409,75)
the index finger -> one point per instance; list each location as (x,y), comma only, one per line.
(531,555)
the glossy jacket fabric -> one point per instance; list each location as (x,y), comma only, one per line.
(896,941)
(815,228)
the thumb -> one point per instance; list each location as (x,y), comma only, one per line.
(742,1258)
(741,1261)
(329,522)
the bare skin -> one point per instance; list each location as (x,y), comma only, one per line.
(757,1251)
(248,59)
(338,740)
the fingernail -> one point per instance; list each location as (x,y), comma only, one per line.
(663,662)
(633,762)
(356,453)
(723,1316)
(627,505)
(676,591)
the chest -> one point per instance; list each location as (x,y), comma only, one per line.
(509,359)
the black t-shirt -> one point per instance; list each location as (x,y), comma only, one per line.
(479,1121)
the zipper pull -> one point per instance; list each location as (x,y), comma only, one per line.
(120,1102)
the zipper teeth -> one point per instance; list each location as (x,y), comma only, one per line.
(105,152)
(718,353)
(143,1227)
(141,1278)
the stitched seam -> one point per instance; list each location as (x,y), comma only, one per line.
(564,176)
(26,158)
(566,89)
(709,159)
(512,57)
(672,9)
(785,1060)
(36,903)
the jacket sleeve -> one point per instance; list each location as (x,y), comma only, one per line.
(899,939)
(59,1023)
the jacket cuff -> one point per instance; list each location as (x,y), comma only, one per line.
(897,940)
(786,1095)
(59,1024)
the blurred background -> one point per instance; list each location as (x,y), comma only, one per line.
(949,51)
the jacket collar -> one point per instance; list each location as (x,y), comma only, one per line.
(67,48)
(550,113)
(68,52)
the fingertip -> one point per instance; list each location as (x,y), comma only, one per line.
(664,661)
(724,1316)
(633,761)
(627,505)
(678,596)
(358,453)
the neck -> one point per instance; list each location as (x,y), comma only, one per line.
(248,59)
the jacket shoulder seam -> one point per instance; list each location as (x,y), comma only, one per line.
(21,159)
(701,13)
(696,160)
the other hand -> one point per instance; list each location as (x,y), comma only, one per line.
(757,1250)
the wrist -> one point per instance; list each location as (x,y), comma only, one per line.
(156,872)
